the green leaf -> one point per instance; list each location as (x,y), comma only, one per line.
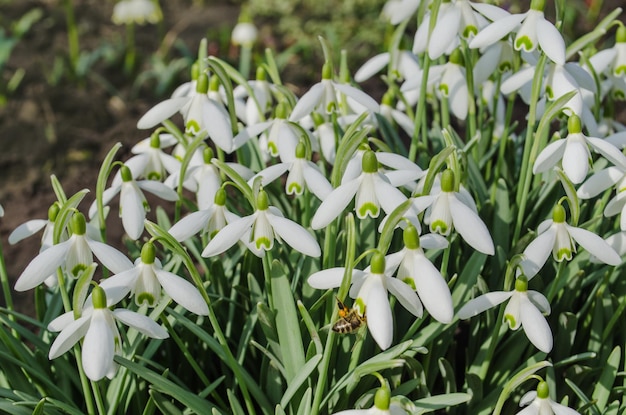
(434,403)
(164,405)
(301,377)
(604,385)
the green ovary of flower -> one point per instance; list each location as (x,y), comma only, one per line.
(262,203)
(148,253)
(525,43)
(377,264)
(220,197)
(411,237)
(538,5)
(368,209)
(53,211)
(574,124)
(542,390)
(369,162)
(382,398)
(126,174)
(202,85)
(98,297)
(521,283)
(78,224)
(558,214)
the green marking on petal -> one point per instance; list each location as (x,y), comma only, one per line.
(192,127)
(525,43)
(294,188)
(263,243)
(144,298)
(563,253)
(620,70)
(272,148)
(470,30)
(153,175)
(368,209)
(549,92)
(619,95)
(510,320)
(360,304)
(444,89)
(410,282)
(77,270)
(505,66)
(439,227)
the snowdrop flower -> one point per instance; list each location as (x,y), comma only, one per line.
(393,115)
(369,288)
(200,113)
(403,63)
(495,57)
(456,210)
(399,10)
(136,11)
(303,174)
(371,190)
(535,31)
(322,97)
(145,280)
(556,236)
(539,403)
(74,255)
(453,85)
(256,105)
(418,272)
(263,226)
(382,405)
(602,180)
(617,241)
(212,219)
(612,63)
(524,309)
(244,34)
(573,151)
(33,226)
(97,324)
(150,161)
(133,204)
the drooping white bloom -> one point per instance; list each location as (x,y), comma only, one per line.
(611,63)
(136,11)
(401,62)
(369,288)
(399,10)
(33,226)
(254,100)
(303,174)
(524,309)
(260,229)
(323,97)
(418,272)
(371,190)
(382,405)
(97,324)
(133,204)
(74,255)
(448,209)
(211,218)
(573,151)
(602,180)
(534,31)
(150,161)
(145,280)
(556,236)
(539,403)
(244,34)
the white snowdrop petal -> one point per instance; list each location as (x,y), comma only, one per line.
(551,41)
(459,96)
(517,80)
(535,326)
(601,60)
(575,161)
(109,256)
(26,229)
(316,181)
(119,285)
(537,252)
(247,133)
(307,103)
(595,245)
(471,227)
(61,322)
(490,11)
(549,156)
(617,139)
(405,295)
(539,301)
(182,292)
(98,347)
(141,323)
(599,182)
(218,125)
(159,189)
(132,210)
(269,174)
(433,290)
(334,204)
(609,151)
(615,205)
(359,96)
(388,196)
(191,224)
(42,266)
(295,235)
(445,32)
(379,317)
(372,67)
(433,241)
(68,337)
(496,30)
(327,278)
(484,302)
(161,112)
(559,409)
(228,236)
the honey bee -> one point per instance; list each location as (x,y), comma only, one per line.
(350,320)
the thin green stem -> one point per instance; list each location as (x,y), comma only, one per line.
(6,288)
(72,34)
(131,51)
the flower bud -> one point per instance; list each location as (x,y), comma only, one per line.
(377,264)
(411,237)
(78,224)
(447,181)
(542,390)
(262,203)
(382,398)
(148,253)
(558,214)
(202,86)
(369,162)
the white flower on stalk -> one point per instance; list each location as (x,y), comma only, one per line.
(323,97)
(150,161)
(403,63)
(418,272)
(97,324)
(573,151)
(136,11)
(534,31)
(539,403)
(612,63)
(382,405)
(449,209)
(146,279)
(33,226)
(371,190)
(602,180)
(524,309)
(260,229)
(399,10)
(369,289)
(396,116)
(133,204)
(200,113)
(244,34)
(212,219)
(556,236)
(303,174)
(453,85)
(74,255)
(257,95)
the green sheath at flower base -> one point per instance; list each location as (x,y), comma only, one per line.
(155,139)
(574,125)
(382,398)
(98,297)
(220,197)
(78,224)
(214,84)
(195,71)
(411,237)
(377,264)
(538,5)
(262,203)
(207,155)
(202,86)
(53,211)
(558,214)
(521,284)
(126,174)
(370,162)
(148,253)
(300,150)
(543,392)
(260,74)
(447,181)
